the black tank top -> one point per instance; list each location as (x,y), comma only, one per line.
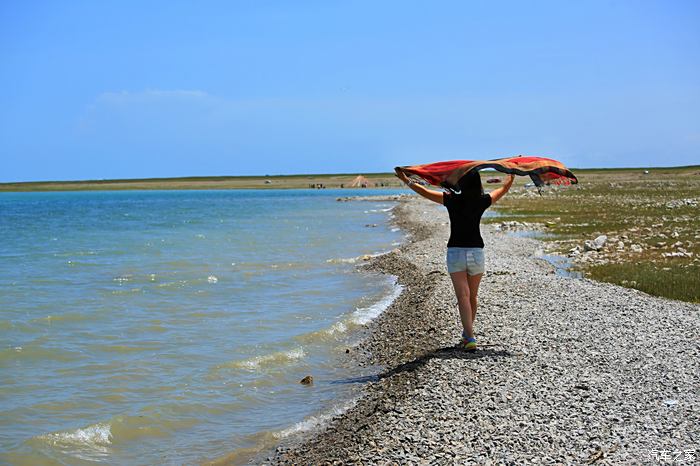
(465,216)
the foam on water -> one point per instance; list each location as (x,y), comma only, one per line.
(316,421)
(348,260)
(364,315)
(338,327)
(388,209)
(97,435)
(276,358)
(88,443)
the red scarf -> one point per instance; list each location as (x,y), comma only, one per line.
(447,174)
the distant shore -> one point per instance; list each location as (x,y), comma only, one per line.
(569,371)
(304,181)
(320,181)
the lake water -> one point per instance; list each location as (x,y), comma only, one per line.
(171,327)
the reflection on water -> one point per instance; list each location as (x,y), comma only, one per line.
(562,265)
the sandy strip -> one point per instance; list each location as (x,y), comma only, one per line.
(570,371)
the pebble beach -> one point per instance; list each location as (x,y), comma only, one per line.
(568,370)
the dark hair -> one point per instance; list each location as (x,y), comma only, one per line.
(470,185)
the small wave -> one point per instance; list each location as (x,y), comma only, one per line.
(266,439)
(127,291)
(314,421)
(352,260)
(364,315)
(394,230)
(176,284)
(349,260)
(279,357)
(91,442)
(338,327)
(326,334)
(95,442)
(67,317)
(76,263)
(36,352)
(388,209)
(360,316)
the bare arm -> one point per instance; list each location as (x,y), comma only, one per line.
(435,196)
(496,194)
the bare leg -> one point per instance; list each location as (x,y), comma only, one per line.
(473,281)
(461,286)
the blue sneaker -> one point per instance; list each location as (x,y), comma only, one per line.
(468,343)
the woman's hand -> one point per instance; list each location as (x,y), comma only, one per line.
(496,194)
(435,196)
(401,175)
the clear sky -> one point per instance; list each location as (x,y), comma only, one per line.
(129,89)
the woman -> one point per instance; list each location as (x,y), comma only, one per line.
(465,248)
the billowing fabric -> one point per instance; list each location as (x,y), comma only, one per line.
(540,169)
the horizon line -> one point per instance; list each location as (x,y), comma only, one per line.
(295,175)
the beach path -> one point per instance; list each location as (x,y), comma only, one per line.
(569,371)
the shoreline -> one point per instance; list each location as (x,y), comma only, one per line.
(330,181)
(536,390)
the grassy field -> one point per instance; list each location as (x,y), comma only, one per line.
(211,182)
(652,224)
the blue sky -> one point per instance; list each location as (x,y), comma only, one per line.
(126,89)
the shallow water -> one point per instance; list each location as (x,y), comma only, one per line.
(535,234)
(563,266)
(174,326)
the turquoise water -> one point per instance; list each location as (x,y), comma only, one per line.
(173,327)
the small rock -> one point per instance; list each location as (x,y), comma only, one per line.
(589,245)
(600,241)
(308,380)
(677,254)
(595,245)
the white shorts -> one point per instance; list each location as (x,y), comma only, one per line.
(470,260)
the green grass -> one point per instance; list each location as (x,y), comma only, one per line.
(674,283)
(629,207)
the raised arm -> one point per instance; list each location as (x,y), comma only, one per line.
(496,194)
(435,196)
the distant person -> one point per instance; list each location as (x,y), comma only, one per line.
(465,248)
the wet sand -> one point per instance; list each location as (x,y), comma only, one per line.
(569,370)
